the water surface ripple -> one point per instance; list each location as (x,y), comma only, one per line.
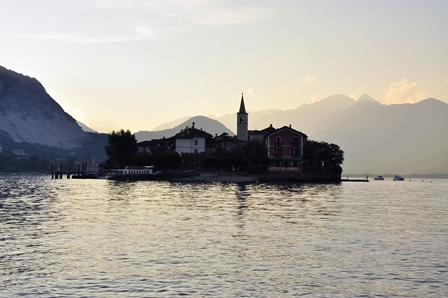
(98,238)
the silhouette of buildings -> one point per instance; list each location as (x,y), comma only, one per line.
(284,145)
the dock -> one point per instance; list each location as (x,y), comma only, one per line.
(354,180)
(58,171)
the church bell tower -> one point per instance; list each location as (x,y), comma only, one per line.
(242,122)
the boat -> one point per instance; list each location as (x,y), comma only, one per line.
(131,173)
(137,173)
(378,178)
(398,178)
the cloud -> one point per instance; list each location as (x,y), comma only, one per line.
(315,98)
(310,79)
(222,17)
(281,88)
(106,21)
(404,92)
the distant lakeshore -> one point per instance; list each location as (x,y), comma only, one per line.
(406,176)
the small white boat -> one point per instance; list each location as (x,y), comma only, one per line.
(131,173)
(378,178)
(398,178)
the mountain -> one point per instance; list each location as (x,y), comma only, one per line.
(29,114)
(387,139)
(32,122)
(304,118)
(209,125)
(170,125)
(376,138)
(84,127)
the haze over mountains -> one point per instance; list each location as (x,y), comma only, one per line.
(376,138)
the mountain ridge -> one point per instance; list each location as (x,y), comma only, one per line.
(376,138)
(207,124)
(29,114)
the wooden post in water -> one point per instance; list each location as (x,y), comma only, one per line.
(61,169)
(69,171)
(52,170)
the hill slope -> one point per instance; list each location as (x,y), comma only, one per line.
(209,125)
(29,114)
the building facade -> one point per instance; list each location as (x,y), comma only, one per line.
(191,140)
(285,150)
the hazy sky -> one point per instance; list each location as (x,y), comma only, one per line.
(140,63)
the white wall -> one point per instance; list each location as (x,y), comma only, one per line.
(188,145)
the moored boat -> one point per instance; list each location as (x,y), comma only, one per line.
(398,178)
(131,173)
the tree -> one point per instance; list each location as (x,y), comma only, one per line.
(166,160)
(255,155)
(121,148)
(323,157)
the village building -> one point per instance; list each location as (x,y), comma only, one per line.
(284,145)
(152,146)
(260,134)
(226,142)
(192,140)
(285,150)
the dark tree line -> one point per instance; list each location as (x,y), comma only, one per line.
(33,163)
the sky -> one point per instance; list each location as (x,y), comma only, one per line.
(136,64)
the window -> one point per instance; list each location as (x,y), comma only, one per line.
(295,152)
(278,141)
(278,151)
(195,142)
(295,141)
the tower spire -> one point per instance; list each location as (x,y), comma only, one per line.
(242,122)
(242,106)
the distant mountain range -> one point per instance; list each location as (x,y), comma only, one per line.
(376,138)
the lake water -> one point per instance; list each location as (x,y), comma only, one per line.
(98,238)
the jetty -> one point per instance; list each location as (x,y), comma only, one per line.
(58,171)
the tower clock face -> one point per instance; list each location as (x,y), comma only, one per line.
(242,120)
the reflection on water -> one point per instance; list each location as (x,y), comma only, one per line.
(106,238)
